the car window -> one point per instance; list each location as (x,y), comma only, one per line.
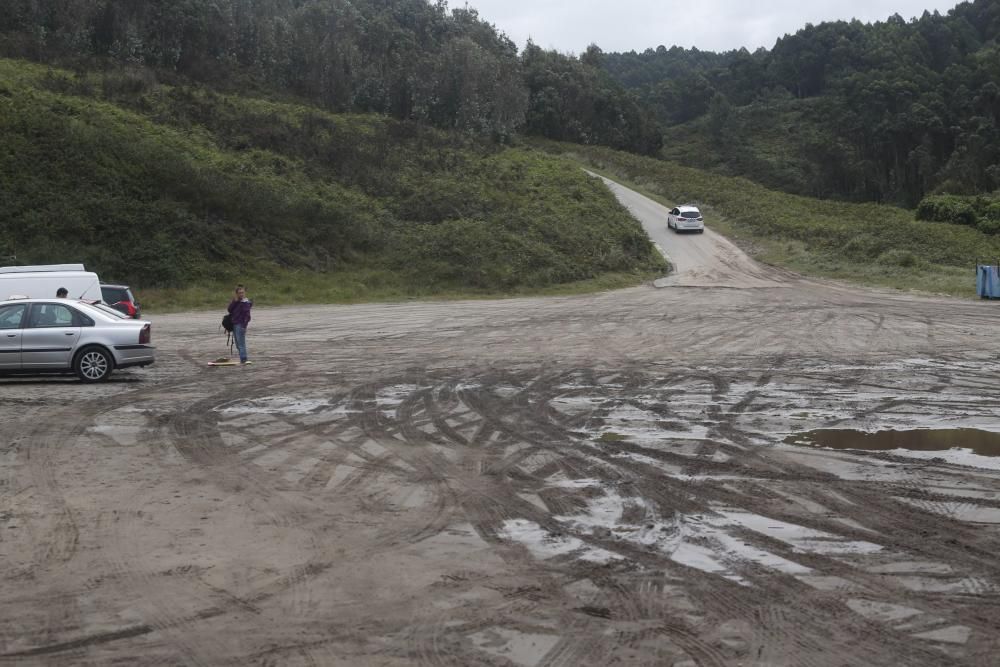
(691,214)
(114,294)
(11,316)
(674,211)
(48,315)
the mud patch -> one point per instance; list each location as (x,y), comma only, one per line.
(984,443)
(960,446)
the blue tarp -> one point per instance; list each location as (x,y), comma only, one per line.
(988,281)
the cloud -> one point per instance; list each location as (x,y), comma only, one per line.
(709,25)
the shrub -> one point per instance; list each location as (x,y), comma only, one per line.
(989,226)
(897,257)
(947,208)
(992,211)
(981,212)
(864,247)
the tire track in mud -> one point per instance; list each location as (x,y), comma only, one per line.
(644,603)
(36,449)
(61,540)
(427,467)
(882,587)
(171,616)
(497,505)
(473,441)
(477,470)
(871,499)
(897,647)
(487,498)
(195,434)
(857,502)
(866,503)
(439,643)
(577,641)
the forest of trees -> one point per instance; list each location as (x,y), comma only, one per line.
(888,111)
(409,59)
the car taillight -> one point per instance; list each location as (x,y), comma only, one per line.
(145,335)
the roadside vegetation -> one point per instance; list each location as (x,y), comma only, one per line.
(177,186)
(981,212)
(357,284)
(864,243)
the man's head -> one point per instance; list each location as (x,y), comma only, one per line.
(240,292)
(62,293)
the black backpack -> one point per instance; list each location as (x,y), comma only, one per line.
(227,324)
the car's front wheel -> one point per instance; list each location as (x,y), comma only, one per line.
(93,364)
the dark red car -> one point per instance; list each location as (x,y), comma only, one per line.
(120,297)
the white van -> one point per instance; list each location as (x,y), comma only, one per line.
(42,282)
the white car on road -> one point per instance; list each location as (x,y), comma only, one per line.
(685,218)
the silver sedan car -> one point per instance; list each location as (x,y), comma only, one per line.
(65,336)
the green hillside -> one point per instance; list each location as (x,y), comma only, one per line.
(166,186)
(333,150)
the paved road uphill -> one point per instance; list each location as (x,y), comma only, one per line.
(586,480)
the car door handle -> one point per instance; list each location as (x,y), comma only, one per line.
(70,333)
(11,335)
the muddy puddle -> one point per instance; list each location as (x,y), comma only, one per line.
(983,443)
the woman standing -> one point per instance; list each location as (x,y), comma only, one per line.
(239,309)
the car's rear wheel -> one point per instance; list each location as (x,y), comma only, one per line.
(93,364)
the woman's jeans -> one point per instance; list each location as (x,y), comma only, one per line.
(240,336)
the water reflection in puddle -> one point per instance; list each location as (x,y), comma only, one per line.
(984,443)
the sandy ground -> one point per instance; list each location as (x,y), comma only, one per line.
(593,480)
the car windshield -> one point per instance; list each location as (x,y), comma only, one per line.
(690,214)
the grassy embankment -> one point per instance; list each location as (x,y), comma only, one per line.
(865,244)
(768,142)
(182,192)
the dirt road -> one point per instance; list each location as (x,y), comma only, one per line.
(570,481)
(698,260)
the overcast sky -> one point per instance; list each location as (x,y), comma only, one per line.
(569,26)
